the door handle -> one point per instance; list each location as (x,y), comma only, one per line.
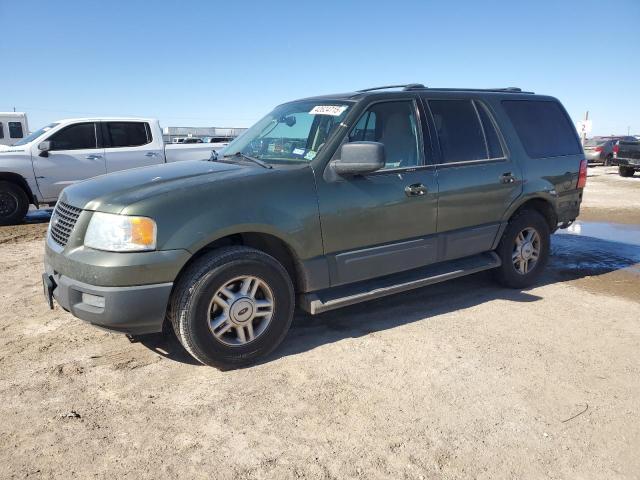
(151,154)
(507,177)
(415,190)
(93,157)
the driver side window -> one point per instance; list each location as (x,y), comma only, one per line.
(81,136)
(393,124)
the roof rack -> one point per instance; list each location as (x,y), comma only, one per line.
(407,86)
(419,86)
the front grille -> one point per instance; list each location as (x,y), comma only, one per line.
(62,222)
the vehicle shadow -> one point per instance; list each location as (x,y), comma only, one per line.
(573,257)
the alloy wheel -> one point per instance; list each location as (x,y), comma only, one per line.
(241,310)
(526,250)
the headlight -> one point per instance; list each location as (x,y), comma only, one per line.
(120,233)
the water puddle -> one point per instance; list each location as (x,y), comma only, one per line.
(614,232)
(595,248)
(38,216)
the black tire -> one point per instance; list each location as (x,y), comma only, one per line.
(14,203)
(625,171)
(507,274)
(190,305)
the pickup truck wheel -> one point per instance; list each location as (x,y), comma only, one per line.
(523,249)
(232,306)
(626,171)
(14,203)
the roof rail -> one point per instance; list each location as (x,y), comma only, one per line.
(419,86)
(408,86)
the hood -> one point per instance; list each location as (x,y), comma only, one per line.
(115,191)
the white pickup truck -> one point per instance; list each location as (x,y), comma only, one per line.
(35,169)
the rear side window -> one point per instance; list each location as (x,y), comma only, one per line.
(1,130)
(459,130)
(75,137)
(494,147)
(15,130)
(543,127)
(128,134)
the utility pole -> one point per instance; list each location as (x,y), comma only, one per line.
(628,131)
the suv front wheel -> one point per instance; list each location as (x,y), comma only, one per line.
(523,249)
(232,306)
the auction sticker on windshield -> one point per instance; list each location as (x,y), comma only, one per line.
(333,110)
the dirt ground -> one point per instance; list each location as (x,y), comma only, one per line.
(459,380)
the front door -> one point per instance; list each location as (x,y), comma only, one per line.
(74,156)
(478,179)
(384,222)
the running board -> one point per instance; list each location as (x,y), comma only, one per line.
(332,298)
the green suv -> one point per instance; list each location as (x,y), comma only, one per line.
(325,202)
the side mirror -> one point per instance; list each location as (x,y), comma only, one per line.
(359,158)
(214,156)
(44,148)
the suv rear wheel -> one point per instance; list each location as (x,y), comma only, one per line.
(14,203)
(626,171)
(523,249)
(232,306)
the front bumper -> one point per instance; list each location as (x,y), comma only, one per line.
(130,290)
(134,310)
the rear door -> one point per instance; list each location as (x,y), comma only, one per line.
(74,156)
(130,144)
(477,178)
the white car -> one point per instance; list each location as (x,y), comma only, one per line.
(34,170)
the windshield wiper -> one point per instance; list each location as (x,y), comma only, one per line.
(251,159)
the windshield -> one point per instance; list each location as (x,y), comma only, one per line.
(36,134)
(595,141)
(292,133)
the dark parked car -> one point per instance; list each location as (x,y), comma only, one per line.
(325,202)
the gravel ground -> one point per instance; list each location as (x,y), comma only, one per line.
(459,380)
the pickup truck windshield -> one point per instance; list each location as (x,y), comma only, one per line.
(292,133)
(36,134)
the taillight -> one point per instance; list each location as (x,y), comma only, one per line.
(616,148)
(598,149)
(582,175)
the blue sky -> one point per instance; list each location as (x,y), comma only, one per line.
(203,63)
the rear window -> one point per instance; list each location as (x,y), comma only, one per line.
(543,127)
(128,134)
(15,130)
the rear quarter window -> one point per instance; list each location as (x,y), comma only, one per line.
(544,128)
